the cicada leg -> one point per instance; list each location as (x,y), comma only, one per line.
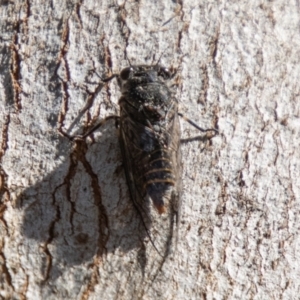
(195,125)
(89,132)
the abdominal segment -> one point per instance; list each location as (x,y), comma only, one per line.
(159,179)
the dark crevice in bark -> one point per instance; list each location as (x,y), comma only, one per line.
(15,69)
(4,191)
(4,267)
(103,220)
(103,225)
(77,10)
(185,26)
(65,91)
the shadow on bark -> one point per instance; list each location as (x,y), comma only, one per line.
(82,209)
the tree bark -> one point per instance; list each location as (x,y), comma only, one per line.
(68,229)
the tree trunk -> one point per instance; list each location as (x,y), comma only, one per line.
(68,227)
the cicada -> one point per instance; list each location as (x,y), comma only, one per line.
(150,143)
(149,134)
(150,137)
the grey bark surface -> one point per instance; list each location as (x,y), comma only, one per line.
(68,229)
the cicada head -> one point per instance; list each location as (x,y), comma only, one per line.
(142,74)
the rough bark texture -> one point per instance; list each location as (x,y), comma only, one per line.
(68,229)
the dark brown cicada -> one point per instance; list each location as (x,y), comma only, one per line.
(150,136)
(150,144)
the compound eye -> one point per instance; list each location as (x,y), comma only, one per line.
(125,73)
(165,73)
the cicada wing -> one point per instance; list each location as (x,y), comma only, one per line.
(128,162)
(135,141)
(177,163)
(131,155)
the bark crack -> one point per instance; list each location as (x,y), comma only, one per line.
(15,69)
(4,267)
(80,150)
(65,91)
(185,27)
(77,10)
(103,220)
(125,30)
(4,191)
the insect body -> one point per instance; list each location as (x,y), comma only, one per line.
(150,136)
